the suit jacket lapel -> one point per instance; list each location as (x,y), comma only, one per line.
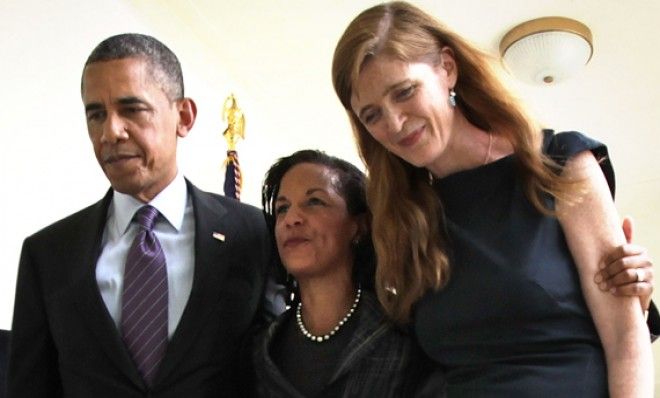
(209,219)
(87,296)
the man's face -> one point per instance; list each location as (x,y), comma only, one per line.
(133,126)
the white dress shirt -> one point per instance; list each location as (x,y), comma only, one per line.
(175,229)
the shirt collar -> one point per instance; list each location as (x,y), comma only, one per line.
(170,202)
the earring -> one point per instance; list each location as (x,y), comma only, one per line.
(356,241)
(291,287)
(452,98)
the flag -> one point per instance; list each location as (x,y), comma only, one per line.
(233,178)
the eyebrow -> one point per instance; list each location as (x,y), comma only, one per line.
(386,91)
(282,198)
(131,100)
(312,190)
(94,106)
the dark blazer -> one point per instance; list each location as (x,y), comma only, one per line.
(64,342)
(379,361)
(4,348)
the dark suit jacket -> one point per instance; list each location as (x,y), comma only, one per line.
(4,343)
(64,342)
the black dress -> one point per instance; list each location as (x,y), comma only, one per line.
(512,322)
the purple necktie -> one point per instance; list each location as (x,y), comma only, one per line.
(144,299)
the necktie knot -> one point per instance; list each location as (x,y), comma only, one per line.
(146,217)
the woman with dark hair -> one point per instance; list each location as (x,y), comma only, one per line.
(334,340)
(488,232)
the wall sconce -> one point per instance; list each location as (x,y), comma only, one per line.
(546,50)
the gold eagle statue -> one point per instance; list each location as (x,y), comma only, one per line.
(235,119)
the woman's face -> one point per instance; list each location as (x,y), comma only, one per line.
(313,229)
(405,106)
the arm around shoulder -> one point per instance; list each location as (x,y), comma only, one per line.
(653,321)
(592,228)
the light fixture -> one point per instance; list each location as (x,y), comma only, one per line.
(546,50)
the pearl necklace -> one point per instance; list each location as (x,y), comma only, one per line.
(320,339)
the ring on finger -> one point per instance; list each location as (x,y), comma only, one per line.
(639,275)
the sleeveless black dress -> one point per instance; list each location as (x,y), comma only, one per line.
(512,322)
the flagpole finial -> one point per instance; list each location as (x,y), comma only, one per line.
(234,132)
(235,119)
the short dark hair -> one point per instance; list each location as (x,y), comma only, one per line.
(164,64)
(350,185)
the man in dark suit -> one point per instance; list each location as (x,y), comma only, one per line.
(70,336)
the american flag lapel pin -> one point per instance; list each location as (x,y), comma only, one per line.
(219,236)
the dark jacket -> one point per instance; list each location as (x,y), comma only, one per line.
(64,342)
(380,361)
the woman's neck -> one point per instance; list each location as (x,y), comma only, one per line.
(325,302)
(468,147)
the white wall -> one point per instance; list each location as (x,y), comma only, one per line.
(48,168)
(48,164)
